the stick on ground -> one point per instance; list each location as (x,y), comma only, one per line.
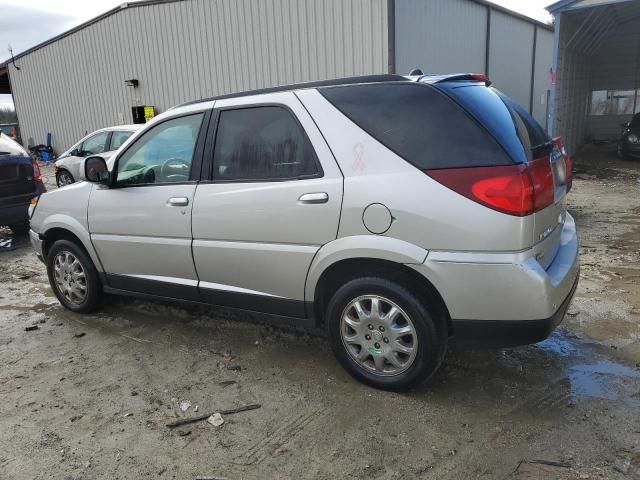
(229,411)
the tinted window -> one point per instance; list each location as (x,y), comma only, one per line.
(161,155)
(118,138)
(511,125)
(635,123)
(96,144)
(262,143)
(418,123)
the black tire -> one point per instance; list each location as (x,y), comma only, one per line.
(63,172)
(20,228)
(93,285)
(431,336)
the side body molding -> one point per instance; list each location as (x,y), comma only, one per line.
(361,246)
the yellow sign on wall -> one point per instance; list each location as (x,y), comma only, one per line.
(149,113)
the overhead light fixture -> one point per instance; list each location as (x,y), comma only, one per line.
(132,83)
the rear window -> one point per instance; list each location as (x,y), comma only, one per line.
(419,123)
(512,126)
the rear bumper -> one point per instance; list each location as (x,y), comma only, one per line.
(510,333)
(12,214)
(506,298)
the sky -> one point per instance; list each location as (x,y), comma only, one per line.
(25,23)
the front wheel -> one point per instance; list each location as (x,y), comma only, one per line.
(73,277)
(383,335)
(63,178)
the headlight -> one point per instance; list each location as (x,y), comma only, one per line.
(633,138)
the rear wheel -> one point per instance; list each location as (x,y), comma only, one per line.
(63,177)
(383,335)
(73,277)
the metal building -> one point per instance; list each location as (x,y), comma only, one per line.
(597,65)
(164,52)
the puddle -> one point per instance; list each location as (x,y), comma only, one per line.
(590,374)
(604,379)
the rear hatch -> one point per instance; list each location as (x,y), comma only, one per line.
(17,174)
(542,159)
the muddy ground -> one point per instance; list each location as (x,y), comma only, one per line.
(88,397)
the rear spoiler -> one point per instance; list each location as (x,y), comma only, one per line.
(479,77)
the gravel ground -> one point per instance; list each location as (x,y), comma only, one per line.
(86,397)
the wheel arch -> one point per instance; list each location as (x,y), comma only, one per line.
(57,230)
(346,269)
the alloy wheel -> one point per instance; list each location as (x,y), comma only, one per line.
(70,277)
(64,179)
(378,335)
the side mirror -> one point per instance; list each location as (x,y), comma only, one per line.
(75,152)
(95,170)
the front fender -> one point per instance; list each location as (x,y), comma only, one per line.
(361,246)
(72,225)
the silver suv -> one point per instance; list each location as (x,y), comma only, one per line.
(396,212)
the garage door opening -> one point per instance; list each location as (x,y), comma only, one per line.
(596,69)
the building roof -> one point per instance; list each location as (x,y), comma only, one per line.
(562,5)
(143,3)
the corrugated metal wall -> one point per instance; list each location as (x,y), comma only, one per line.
(440,36)
(447,36)
(187,50)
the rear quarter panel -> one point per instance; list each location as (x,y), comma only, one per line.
(425,213)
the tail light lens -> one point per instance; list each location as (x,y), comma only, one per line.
(518,190)
(568,162)
(37,174)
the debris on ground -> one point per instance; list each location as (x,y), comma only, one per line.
(31,328)
(226,383)
(80,334)
(184,433)
(622,465)
(216,420)
(185,421)
(185,405)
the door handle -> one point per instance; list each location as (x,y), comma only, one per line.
(314,198)
(178,202)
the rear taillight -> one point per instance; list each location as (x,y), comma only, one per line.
(37,174)
(568,162)
(514,189)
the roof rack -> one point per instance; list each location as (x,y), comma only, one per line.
(297,86)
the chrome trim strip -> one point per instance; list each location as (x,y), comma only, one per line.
(231,288)
(158,278)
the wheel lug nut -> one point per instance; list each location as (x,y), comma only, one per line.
(370,327)
(381,329)
(386,340)
(367,336)
(377,345)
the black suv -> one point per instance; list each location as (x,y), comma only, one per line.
(20,181)
(629,146)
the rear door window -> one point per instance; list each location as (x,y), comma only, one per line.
(419,123)
(262,143)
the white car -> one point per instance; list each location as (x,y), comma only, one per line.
(102,142)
